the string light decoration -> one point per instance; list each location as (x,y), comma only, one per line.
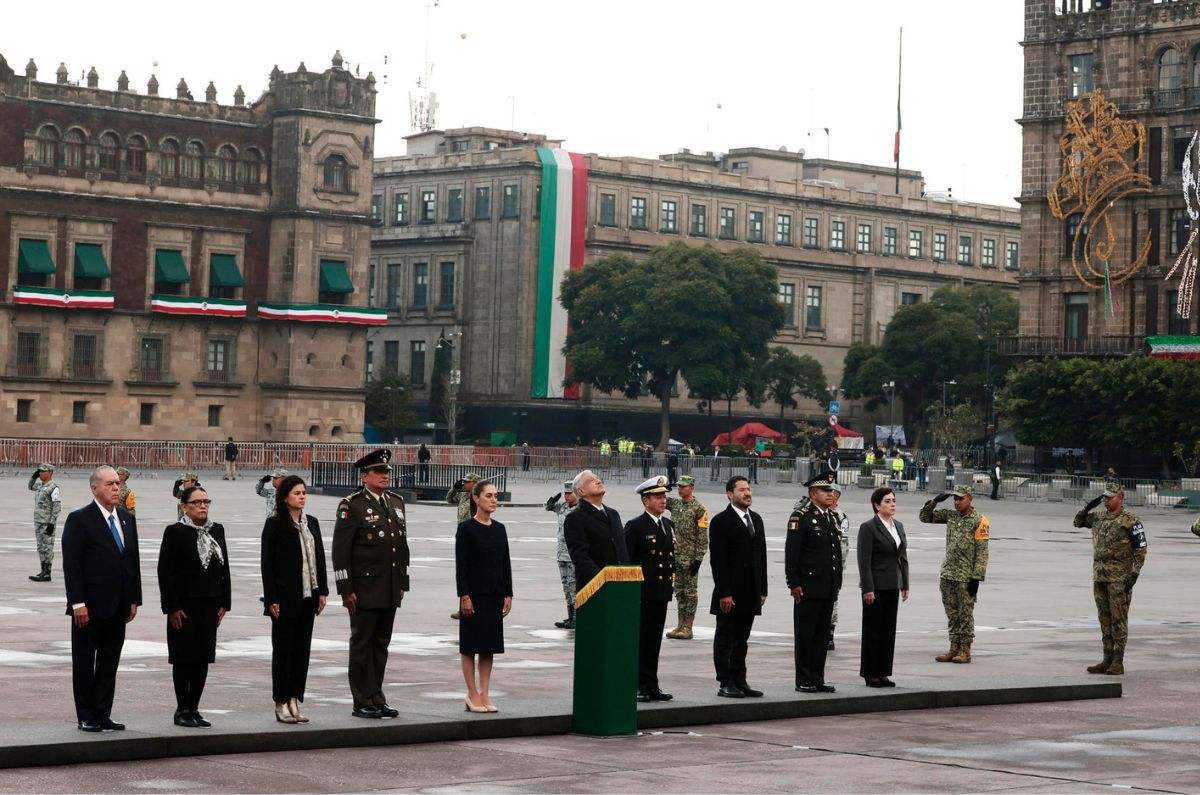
(1099,151)
(1187,257)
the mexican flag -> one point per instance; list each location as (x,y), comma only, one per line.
(47,296)
(1174,347)
(323,313)
(184,305)
(560,248)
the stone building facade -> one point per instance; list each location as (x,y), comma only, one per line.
(173,268)
(455,251)
(1145,57)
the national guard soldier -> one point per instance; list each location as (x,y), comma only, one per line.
(460,495)
(126,499)
(691,542)
(266,487)
(561,505)
(650,539)
(1196,527)
(813,566)
(964,567)
(1118,554)
(370,561)
(47,502)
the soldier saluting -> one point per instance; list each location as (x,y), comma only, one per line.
(370,561)
(47,502)
(1118,554)
(964,567)
(691,542)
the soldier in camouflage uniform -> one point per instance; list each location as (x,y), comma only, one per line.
(691,541)
(47,502)
(267,486)
(1118,554)
(1196,527)
(186,481)
(561,505)
(964,567)
(127,499)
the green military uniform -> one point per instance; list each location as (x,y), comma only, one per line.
(1196,527)
(177,490)
(126,499)
(47,502)
(460,495)
(691,542)
(1118,554)
(370,560)
(963,568)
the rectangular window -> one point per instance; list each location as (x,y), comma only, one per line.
(1081,74)
(754,226)
(964,249)
(79,412)
(420,294)
(446,285)
(217,360)
(84,357)
(152,360)
(483,203)
(1154,168)
(1176,324)
(377,208)
(939,246)
(146,414)
(837,235)
(1180,138)
(417,362)
(608,209)
(700,220)
(460,146)
(214,415)
(1075,323)
(400,211)
(428,206)
(1154,221)
(391,357)
(890,238)
(908,299)
(787,297)
(783,229)
(1072,229)
(393,285)
(864,238)
(989,253)
(637,212)
(370,359)
(537,201)
(1179,231)
(1011,250)
(669,217)
(29,361)
(916,243)
(1151,310)
(509,202)
(24,409)
(812,307)
(812,232)
(725,227)
(454,205)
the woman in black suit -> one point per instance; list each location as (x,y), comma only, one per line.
(483,571)
(193,580)
(883,577)
(294,593)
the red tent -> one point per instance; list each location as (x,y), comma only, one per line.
(747,434)
(842,430)
(848,439)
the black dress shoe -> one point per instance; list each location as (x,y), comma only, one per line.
(199,720)
(875,683)
(184,718)
(109,725)
(730,691)
(561,624)
(658,695)
(827,688)
(885,682)
(387,712)
(807,688)
(748,691)
(366,712)
(643,697)
(88,726)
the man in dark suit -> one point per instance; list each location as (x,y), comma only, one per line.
(593,531)
(650,539)
(737,549)
(103,576)
(813,564)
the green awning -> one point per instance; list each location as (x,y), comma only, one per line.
(223,271)
(334,278)
(33,256)
(169,267)
(89,262)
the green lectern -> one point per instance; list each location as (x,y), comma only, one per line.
(607,614)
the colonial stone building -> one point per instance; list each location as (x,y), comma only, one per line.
(177,268)
(456,252)
(1145,57)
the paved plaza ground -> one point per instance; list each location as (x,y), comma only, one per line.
(1035,618)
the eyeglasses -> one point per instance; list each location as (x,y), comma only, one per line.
(198,502)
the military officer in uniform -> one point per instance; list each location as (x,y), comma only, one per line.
(843,522)
(650,539)
(460,495)
(127,499)
(813,565)
(47,502)
(370,561)
(1118,554)
(963,568)
(267,486)
(561,505)
(691,542)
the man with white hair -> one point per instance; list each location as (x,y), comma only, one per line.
(594,534)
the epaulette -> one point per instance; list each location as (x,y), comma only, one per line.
(395,494)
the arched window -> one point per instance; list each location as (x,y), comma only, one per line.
(168,160)
(72,149)
(135,155)
(1170,70)
(47,146)
(226,163)
(109,150)
(335,173)
(193,160)
(250,168)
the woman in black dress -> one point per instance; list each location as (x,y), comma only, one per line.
(193,580)
(883,577)
(294,593)
(483,571)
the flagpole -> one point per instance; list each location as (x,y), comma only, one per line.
(899,67)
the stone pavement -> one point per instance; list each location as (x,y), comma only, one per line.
(1035,619)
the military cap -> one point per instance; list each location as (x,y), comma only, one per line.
(1113,489)
(823,480)
(376,459)
(962,491)
(687,480)
(279,472)
(568,485)
(45,468)
(655,485)
(123,471)
(471,478)
(189,475)
(835,487)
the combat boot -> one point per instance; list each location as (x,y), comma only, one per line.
(42,576)
(1102,666)
(675,633)
(964,654)
(683,632)
(948,656)
(1117,667)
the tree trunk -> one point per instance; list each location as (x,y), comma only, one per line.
(664,422)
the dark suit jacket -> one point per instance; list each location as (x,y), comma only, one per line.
(281,563)
(595,540)
(482,565)
(881,565)
(739,562)
(654,551)
(180,575)
(813,553)
(95,573)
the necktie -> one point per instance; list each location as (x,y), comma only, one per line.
(749,524)
(116,534)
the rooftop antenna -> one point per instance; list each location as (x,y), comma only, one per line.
(422,106)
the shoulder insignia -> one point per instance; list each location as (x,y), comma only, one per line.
(982,530)
(702,520)
(793,523)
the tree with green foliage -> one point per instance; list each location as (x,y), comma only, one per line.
(788,377)
(387,404)
(864,372)
(952,426)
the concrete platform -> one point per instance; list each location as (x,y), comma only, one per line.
(35,743)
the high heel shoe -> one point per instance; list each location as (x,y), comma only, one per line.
(471,707)
(283,714)
(294,708)
(490,707)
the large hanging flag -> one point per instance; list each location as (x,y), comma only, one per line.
(560,248)
(1174,347)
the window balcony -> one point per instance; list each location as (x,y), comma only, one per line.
(1048,345)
